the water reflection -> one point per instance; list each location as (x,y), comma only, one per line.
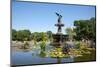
(58,60)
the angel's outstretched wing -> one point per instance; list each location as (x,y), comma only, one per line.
(57,14)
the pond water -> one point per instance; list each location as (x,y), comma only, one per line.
(24,58)
(32,57)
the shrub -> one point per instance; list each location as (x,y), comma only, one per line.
(77,45)
(43,45)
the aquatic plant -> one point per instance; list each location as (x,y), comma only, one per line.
(57,53)
(42,54)
(75,52)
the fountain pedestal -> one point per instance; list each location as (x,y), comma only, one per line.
(59,40)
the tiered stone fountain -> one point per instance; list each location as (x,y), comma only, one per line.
(59,38)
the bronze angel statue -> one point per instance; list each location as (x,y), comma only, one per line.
(59,17)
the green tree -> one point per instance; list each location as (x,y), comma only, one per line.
(44,36)
(23,35)
(26,34)
(37,36)
(14,34)
(49,33)
(85,29)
